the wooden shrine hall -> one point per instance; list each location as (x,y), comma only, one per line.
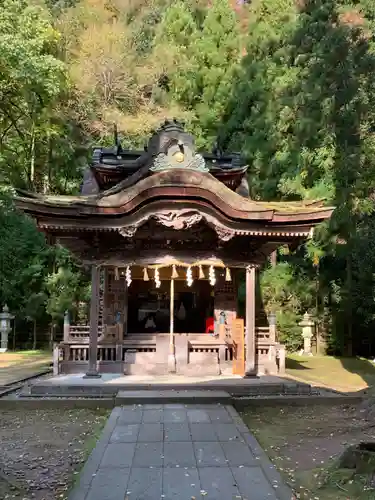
(169,233)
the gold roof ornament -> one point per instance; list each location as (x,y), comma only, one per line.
(179,156)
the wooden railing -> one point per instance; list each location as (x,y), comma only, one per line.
(72,354)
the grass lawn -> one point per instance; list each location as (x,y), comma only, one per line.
(303,443)
(341,374)
(14,358)
(19,365)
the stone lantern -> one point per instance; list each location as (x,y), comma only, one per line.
(5,328)
(307,325)
(272,322)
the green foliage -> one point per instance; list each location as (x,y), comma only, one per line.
(23,254)
(65,286)
(204,55)
(32,79)
(287,294)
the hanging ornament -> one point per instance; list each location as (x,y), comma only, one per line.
(228,277)
(174,272)
(145,274)
(189,276)
(201,273)
(211,276)
(157,278)
(117,275)
(128,276)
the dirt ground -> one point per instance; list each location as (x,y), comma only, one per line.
(304,443)
(42,452)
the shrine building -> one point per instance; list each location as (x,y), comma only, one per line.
(168,234)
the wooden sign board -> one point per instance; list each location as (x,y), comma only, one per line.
(238,339)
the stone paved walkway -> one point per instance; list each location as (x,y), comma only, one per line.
(180,452)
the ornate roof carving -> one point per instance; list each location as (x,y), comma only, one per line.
(170,146)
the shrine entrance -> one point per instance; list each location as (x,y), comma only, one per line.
(149,309)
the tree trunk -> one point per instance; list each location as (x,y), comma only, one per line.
(349,306)
(51,335)
(32,158)
(34,335)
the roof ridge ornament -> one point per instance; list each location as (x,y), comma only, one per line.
(175,160)
(172,147)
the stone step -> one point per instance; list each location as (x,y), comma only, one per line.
(173,396)
(99,388)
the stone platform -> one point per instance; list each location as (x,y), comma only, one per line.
(110,384)
(178,452)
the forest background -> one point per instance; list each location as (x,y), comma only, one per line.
(288,83)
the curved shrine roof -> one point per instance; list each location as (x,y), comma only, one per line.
(174,185)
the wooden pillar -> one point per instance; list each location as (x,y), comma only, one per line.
(172,351)
(250,321)
(94,310)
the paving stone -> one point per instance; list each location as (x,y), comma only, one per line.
(179,454)
(171,416)
(130,416)
(202,406)
(109,484)
(202,432)
(209,454)
(238,453)
(118,455)
(125,433)
(144,484)
(148,455)
(177,432)
(181,484)
(198,416)
(218,483)
(253,484)
(175,406)
(153,407)
(152,416)
(226,432)
(219,415)
(150,433)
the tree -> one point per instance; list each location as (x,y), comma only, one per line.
(203,52)
(31,80)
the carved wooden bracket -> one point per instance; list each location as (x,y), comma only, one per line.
(180,220)
(128,231)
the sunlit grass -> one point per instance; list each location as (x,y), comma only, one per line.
(341,374)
